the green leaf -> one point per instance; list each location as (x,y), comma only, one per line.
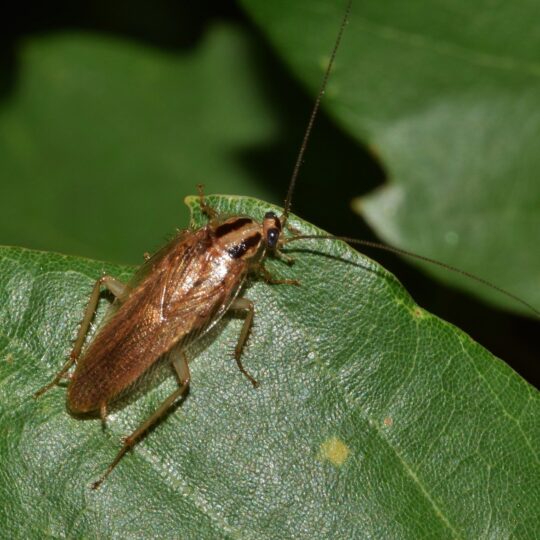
(101,138)
(374,418)
(446,97)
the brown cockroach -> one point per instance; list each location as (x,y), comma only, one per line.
(178,295)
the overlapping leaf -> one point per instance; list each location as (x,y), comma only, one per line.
(373,419)
(446,97)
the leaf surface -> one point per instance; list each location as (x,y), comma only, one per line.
(373,418)
(446,97)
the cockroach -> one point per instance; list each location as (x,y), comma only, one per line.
(179,294)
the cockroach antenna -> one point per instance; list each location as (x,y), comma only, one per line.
(410,254)
(368,243)
(313,116)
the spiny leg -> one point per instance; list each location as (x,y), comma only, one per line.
(118,289)
(283,257)
(245,305)
(180,364)
(210,212)
(293,230)
(103,414)
(267,276)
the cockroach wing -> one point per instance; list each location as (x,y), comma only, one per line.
(177,296)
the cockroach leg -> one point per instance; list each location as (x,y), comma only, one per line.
(293,230)
(103,414)
(245,305)
(210,212)
(117,288)
(267,276)
(180,365)
(57,378)
(283,257)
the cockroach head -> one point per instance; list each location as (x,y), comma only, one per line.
(271,229)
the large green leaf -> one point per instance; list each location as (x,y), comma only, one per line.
(101,138)
(373,419)
(447,96)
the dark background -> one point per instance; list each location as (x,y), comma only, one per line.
(179,26)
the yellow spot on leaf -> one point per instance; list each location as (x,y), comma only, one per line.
(388,421)
(335,451)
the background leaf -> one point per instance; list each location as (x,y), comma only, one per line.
(374,418)
(104,139)
(446,96)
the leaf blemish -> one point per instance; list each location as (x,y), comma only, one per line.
(388,421)
(335,451)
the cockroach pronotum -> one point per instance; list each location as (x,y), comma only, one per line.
(178,295)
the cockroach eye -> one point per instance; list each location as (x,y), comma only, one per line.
(271,229)
(272,237)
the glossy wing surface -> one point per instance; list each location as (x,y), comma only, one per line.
(187,288)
